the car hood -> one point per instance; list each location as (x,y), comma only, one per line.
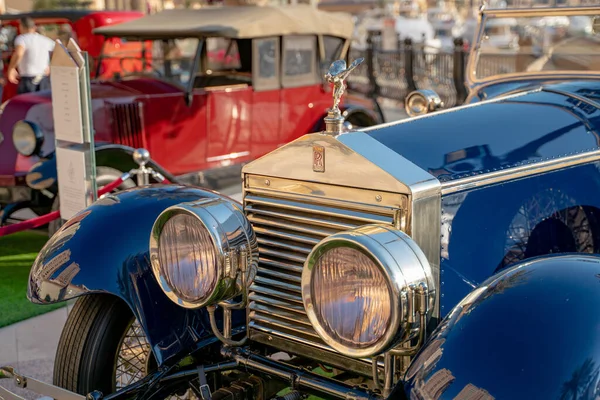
(489,136)
(411,155)
(111,89)
(37,108)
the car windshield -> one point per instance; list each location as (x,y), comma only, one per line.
(538,43)
(171,60)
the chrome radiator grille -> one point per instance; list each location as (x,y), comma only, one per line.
(287,227)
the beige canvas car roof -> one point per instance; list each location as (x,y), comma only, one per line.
(234,22)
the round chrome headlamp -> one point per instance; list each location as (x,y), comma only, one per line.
(358,289)
(421,102)
(203,252)
(27,138)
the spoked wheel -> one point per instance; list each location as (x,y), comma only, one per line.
(103,347)
(134,357)
(550,222)
(135,361)
(104,176)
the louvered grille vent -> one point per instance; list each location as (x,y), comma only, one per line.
(126,123)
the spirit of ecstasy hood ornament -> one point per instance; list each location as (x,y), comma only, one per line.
(336,74)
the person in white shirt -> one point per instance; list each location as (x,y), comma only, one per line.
(30,63)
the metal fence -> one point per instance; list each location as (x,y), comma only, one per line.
(394,74)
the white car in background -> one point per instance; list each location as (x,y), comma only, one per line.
(447,26)
(418,29)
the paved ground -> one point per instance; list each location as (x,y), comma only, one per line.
(30,345)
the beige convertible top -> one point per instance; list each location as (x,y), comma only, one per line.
(234,22)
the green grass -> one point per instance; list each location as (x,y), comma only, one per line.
(17,253)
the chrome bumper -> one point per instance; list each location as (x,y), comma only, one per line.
(34,385)
(234,358)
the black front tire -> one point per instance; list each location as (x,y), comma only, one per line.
(104,176)
(89,343)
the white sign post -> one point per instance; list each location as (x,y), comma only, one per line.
(71,110)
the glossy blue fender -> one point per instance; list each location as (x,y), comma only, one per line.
(529,332)
(104,249)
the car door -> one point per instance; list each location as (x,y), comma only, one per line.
(227,83)
(302,87)
(266,97)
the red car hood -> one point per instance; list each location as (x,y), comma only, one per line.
(37,108)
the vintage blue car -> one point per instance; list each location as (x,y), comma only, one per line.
(447,256)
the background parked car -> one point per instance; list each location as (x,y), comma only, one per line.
(78,24)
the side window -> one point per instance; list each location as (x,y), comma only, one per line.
(222,54)
(299,61)
(333,48)
(180,54)
(265,63)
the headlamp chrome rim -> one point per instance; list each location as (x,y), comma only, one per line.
(430,102)
(37,138)
(371,240)
(232,237)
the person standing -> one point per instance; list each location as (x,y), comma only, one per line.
(30,63)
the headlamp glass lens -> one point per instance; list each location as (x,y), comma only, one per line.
(188,258)
(351,297)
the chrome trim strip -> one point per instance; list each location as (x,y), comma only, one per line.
(281,265)
(541,11)
(277,303)
(300,219)
(290,287)
(287,236)
(291,339)
(298,229)
(520,171)
(284,246)
(230,156)
(572,95)
(424,224)
(361,202)
(289,277)
(281,313)
(268,291)
(279,322)
(449,110)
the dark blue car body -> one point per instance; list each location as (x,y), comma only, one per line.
(520,181)
(501,198)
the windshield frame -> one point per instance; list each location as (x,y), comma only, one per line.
(195,60)
(486,14)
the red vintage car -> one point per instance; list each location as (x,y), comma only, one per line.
(78,24)
(223,86)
